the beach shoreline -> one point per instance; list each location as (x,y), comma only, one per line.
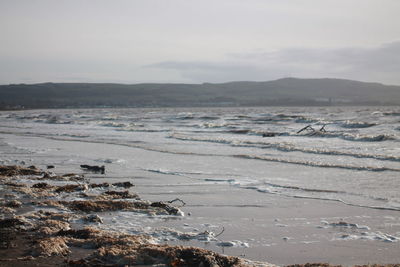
(265,211)
(24,203)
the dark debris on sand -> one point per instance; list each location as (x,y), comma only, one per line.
(48,239)
(8,171)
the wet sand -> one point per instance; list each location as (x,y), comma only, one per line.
(283,230)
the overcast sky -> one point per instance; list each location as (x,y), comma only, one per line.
(133,41)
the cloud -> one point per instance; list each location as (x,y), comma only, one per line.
(381,64)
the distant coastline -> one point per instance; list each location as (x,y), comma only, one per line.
(282,92)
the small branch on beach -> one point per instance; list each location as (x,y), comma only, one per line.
(177,199)
(305,128)
(223,230)
(313,131)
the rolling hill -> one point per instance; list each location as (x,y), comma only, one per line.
(284,92)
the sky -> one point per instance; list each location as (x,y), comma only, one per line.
(188,41)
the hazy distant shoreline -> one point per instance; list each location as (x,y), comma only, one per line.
(282,92)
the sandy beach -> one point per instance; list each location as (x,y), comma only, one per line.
(62,232)
(36,231)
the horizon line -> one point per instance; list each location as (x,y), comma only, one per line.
(202,83)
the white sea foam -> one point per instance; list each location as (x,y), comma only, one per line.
(234,243)
(372,236)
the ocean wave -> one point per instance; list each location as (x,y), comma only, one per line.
(109,161)
(392,113)
(303,119)
(42,118)
(214,125)
(168,172)
(112,124)
(205,117)
(220,180)
(110,118)
(184,116)
(135,144)
(54,120)
(285,118)
(349,136)
(75,135)
(292,148)
(288,116)
(357,124)
(304,188)
(319,164)
(239,131)
(142,130)
(283,146)
(367,138)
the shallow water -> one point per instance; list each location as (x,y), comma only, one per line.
(356,160)
(221,160)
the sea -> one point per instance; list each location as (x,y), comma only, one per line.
(347,156)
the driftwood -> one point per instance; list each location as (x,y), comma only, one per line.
(313,131)
(305,128)
(223,230)
(177,199)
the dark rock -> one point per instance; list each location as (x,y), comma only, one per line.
(99,185)
(96,169)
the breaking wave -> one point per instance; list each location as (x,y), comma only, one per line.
(112,124)
(319,164)
(349,136)
(284,147)
(355,124)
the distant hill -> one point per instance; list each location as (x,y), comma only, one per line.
(285,92)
